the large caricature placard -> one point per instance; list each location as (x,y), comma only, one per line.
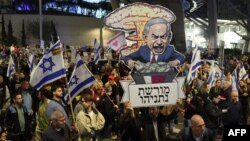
(151,57)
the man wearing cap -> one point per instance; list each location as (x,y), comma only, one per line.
(89,121)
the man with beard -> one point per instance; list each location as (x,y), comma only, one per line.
(58,129)
(57,104)
(157,34)
(16,120)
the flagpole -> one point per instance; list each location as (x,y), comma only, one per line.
(70,99)
(105,94)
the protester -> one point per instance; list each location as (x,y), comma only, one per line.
(89,121)
(110,112)
(16,120)
(130,124)
(153,127)
(57,104)
(234,115)
(213,118)
(196,131)
(244,94)
(3,134)
(58,129)
(42,119)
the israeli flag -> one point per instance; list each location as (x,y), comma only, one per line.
(97,52)
(11,68)
(234,80)
(50,68)
(214,73)
(242,73)
(196,63)
(31,60)
(80,79)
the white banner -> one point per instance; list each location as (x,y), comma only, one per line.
(146,95)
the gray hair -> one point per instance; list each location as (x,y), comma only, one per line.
(153,22)
(56,115)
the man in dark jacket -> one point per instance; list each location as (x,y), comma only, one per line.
(197,130)
(16,120)
(58,129)
(213,114)
(234,115)
(154,123)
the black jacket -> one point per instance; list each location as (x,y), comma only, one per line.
(213,115)
(187,135)
(12,123)
(148,133)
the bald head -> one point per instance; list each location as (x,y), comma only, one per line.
(197,120)
(56,115)
(227,84)
(197,125)
(58,120)
(234,96)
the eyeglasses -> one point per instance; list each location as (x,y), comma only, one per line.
(61,120)
(199,126)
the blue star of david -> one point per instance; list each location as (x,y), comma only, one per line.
(241,72)
(217,75)
(73,81)
(47,64)
(96,51)
(12,67)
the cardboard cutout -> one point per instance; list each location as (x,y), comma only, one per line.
(152,59)
(133,17)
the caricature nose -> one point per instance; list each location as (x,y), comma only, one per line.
(159,41)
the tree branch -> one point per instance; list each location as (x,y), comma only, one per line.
(244,22)
(244,37)
(237,10)
(240,23)
(198,23)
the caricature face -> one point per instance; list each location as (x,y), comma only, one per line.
(157,38)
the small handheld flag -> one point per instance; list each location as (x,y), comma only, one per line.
(80,79)
(117,42)
(50,68)
(31,61)
(11,68)
(97,52)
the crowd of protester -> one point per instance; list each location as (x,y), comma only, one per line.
(97,114)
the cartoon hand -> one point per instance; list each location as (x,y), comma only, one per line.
(174,63)
(131,63)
